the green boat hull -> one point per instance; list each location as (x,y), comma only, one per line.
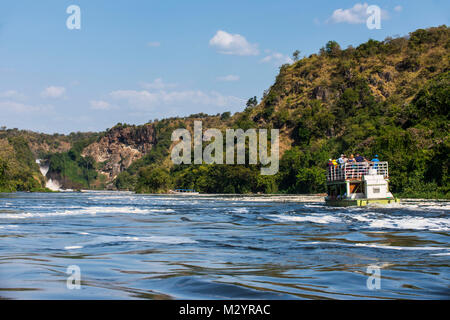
(360,202)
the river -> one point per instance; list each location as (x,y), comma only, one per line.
(129,246)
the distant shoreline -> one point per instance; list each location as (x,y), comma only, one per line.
(225,195)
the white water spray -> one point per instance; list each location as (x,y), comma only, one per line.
(52,185)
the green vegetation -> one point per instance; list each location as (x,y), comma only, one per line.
(18,170)
(389,98)
(73,170)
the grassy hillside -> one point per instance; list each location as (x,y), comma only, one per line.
(19,150)
(389,98)
(18,169)
(72,170)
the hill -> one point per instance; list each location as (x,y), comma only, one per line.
(386,97)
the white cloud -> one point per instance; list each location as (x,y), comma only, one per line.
(233,44)
(12,94)
(398,8)
(53,92)
(157,84)
(229,78)
(153,44)
(355,15)
(100,105)
(18,107)
(277,58)
(176,99)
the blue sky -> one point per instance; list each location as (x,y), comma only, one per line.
(133,61)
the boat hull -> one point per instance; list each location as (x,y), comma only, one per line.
(360,202)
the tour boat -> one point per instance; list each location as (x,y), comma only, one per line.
(359,184)
(183,191)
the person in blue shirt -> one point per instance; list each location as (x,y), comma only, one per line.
(374,161)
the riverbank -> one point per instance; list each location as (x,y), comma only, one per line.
(294,197)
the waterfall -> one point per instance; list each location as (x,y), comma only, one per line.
(52,185)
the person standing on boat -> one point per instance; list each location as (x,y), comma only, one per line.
(342,160)
(359,158)
(374,161)
(362,165)
(350,168)
(330,163)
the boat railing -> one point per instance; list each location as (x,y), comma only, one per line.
(356,170)
(184,190)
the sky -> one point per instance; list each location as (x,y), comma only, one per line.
(134,61)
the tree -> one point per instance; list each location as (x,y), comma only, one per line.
(296,55)
(332,48)
(252,102)
(225,116)
(153,180)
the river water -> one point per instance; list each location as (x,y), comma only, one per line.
(130,246)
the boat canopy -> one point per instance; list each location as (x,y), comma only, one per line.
(357,170)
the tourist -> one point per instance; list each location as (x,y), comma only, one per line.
(330,162)
(374,162)
(342,160)
(359,158)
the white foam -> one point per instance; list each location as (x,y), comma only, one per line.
(73,247)
(26,215)
(414,223)
(9,226)
(432,205)
(380,246)
(325,219)
(82,211)
(240,210)
(156,239)
(53,185)
(161,210)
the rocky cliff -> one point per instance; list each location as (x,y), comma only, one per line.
(120,147)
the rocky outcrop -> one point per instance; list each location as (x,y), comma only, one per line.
(321,92)
(120,147)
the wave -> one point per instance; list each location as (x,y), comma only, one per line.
(104,240)
(73,247)
(84,211)
(313,218)
(371,220)
(413,223)
(9,226)
(381,246)
(240,210)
